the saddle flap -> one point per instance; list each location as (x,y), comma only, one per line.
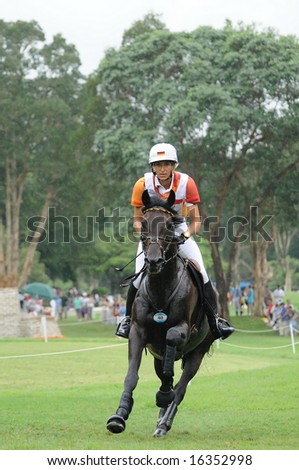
(194,270)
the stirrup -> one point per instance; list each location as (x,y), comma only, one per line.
(224,328)
(123,328)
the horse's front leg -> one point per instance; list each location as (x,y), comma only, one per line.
(176,339)
(116,422)
(191,366)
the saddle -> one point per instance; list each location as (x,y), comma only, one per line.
(194,270)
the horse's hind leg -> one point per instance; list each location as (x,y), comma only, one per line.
(192,363)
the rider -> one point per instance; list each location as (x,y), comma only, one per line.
(163,177)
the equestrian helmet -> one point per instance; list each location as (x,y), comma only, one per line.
(163,152)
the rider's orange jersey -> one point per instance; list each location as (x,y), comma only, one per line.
(191,196)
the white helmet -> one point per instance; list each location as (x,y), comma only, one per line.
(163,152)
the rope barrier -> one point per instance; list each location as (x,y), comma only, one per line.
(265,331)
(63,352)
(291,327)
(88,322)
(254,331)
(261,349)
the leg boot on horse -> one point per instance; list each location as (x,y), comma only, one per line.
(220,328)
(123,328)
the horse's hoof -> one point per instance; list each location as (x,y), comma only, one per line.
(116,424)
(160,432)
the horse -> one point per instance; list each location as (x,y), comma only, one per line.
(167,319)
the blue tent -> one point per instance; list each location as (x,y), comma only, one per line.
(245,284)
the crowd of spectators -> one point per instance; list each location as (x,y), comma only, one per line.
(280,313)
(242,299)
(75,302)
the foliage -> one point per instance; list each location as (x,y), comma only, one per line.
(39,88)
(228,100)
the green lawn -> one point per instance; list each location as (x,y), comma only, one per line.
(245,397)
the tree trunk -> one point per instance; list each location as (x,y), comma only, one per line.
(232,274)
(2,258)
(27,266)
(282,243)
(220,280)
(8,239)
(260,271)
(288,275)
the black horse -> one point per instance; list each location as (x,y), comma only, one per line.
(167,317)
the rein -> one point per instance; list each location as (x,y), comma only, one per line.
(168,240)
(173,292)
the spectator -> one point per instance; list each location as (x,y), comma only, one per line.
(236,292)
(250,299)
(267,296)
(78,306)
(84,307)
(242,301)
(65,305)
(284,320)
(278,295)
(34,306)
(90,305)
(53,308)
(269,311)
(289,304)
(58,312)
(294,321)
(96,299)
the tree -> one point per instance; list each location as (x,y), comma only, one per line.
(227,99)
(39,86)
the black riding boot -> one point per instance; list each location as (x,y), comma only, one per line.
(123,328)
(220,328)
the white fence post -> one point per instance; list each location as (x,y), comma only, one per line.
(44,327)
(292,338)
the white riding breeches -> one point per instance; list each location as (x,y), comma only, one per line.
(188,250)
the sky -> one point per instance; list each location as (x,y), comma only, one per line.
(94,26)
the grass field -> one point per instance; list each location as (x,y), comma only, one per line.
(245,396)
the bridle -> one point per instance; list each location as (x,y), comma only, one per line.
(169,240)
(156,240)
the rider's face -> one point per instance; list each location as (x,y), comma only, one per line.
(163,169)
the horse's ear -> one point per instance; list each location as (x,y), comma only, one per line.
(146,198)
(171,198)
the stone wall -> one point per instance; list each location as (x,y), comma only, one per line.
(37,327)
(10,314)
(15,324)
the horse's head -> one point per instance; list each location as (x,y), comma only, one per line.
(158,231)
